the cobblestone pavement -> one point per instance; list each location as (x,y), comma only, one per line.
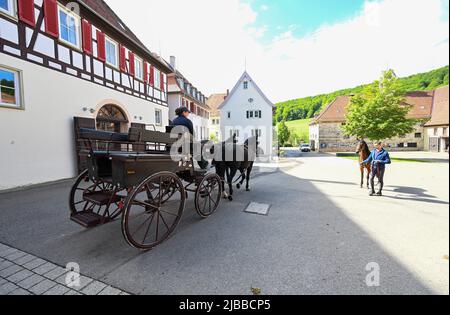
(25,274)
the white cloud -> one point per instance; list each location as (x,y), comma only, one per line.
(211,40)
(264,8)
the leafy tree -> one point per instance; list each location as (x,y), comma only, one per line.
(283,133)
(379,112)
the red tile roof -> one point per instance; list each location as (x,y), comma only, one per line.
(420,102)
(214,102)
(440,116)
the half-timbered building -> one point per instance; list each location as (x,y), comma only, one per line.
(182,93)
(64,59)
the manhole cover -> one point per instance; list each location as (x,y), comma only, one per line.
(258,208)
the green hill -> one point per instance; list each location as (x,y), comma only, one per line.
(301,129)
(308,107)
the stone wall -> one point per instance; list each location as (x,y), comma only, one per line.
(331,138)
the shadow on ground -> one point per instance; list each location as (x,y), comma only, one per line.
(307,245)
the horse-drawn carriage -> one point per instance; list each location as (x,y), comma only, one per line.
(136,176)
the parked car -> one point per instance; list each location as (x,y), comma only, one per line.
(305,148)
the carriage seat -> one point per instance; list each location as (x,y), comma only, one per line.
(99,135)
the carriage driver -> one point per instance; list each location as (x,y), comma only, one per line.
(183,120)
(379,159)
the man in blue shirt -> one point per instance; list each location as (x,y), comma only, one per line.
(379,159)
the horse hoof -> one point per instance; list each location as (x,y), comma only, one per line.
(238,186)
(230,198)
(248,189)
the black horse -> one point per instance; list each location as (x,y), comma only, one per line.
(232,158)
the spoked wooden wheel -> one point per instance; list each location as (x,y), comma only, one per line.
(153,210)
(98,198)
(208,195)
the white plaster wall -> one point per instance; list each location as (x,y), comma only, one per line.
(214,129)
(238,105)
(36,144)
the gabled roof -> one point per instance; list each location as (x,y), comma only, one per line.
(440,115)
(214,102)
(335,111)
(421,104)
(245,76)
(108,16)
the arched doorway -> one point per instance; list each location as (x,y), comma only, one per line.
(111,118)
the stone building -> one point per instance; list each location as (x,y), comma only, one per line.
(436,130)
(326,134)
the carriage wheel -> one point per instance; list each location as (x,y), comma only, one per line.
(85,186)
(153,210)
(208,195)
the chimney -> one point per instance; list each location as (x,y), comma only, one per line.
(173,62)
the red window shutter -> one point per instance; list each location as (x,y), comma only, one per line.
(145,72)
(152,76)
(123,59)
(101,48)
(87,37)
(51,18)
(162,82)
(26,12)
(131,62)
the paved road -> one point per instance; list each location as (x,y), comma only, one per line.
(321,233)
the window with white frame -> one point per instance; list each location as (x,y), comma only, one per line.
(10,88)
(158,117)
(112,55)
(157,79)
(246,85)
(138,68)
(8,7)
(69,27)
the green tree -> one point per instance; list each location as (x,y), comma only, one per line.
(377,113)
(283,133)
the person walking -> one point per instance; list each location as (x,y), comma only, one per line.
(379,159)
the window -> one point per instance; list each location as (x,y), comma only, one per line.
(138,68)
(254,114)
(69,27)
(436,132)
(112,52)
(158,117)
(8,7)
(229,115)
(412,145)
(245,85)
(10,88)
(157,79)
(418,135)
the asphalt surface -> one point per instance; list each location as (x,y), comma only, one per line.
(321,233)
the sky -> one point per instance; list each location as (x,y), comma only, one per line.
(292,48)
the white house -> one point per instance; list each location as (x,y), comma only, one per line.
(247,112)
(64,59)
